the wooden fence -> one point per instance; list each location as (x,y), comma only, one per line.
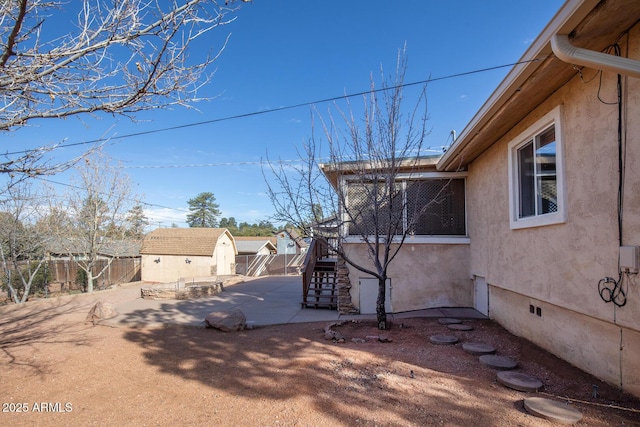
(63,274)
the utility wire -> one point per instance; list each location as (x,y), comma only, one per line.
(283,108)
(130,200)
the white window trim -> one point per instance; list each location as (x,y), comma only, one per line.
(554,117)
(416,239)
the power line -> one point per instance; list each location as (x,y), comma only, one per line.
(283,108)
(130,200)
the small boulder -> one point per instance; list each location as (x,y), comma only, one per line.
(101,311)
(330,334)
(226,321)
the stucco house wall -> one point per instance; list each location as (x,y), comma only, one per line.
(422,276)
(556,268)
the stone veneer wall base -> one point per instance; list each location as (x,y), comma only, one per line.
(345,305)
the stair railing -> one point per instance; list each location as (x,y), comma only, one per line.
(318,249)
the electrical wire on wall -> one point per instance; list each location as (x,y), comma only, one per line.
(612,290)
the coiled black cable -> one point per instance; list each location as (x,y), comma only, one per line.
(612,290)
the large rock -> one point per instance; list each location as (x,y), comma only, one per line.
(101,311)
(331,334)
(226,321)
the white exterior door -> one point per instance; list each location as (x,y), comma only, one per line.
(369,295)
(222,263)
(481,295)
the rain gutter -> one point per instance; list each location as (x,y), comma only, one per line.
(566,52)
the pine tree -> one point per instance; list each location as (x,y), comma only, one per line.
(204,211)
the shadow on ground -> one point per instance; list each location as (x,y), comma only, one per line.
(360,382)
(31,324)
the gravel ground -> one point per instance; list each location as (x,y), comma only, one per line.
(57,370)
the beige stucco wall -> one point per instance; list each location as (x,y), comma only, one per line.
(172,268)
(561,264)
(422,276)
(601,347)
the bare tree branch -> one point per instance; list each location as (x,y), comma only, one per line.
(118,57)
(358,185)
(122,57)
(96,219)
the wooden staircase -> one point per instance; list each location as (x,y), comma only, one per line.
(322,292)
(319,278)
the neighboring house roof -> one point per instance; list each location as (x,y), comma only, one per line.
(122,248)
(295,236)
(272,239)
(591,25)
(110,248)
(252,247)
(183,241)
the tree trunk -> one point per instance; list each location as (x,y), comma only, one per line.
(381,313)
(89,280)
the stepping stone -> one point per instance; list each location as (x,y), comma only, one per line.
(501,363)
(460,327)
(519,381)
(552,410)
(443,339)
(478,348)
(449,321)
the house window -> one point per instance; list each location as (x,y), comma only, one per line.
(421,207)
(536,179)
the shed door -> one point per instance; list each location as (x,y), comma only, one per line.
(223,265)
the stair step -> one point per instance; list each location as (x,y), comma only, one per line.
(319,305)
(322,292)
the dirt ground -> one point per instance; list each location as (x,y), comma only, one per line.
(57,370)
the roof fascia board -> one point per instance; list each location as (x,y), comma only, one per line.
(565,20)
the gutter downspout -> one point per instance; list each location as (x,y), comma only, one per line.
(566,52)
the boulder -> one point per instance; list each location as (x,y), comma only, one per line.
(101,311)
(330,334)
(226,321)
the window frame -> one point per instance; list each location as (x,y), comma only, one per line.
(552,118)
(413,239)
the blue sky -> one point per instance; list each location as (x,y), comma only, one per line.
(286,52)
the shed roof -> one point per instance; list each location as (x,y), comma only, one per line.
(183,241)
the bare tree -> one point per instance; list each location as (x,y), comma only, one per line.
(97,220)
(115,57)
(22,242)
(357,184)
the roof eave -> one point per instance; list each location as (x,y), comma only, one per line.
(565,20)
